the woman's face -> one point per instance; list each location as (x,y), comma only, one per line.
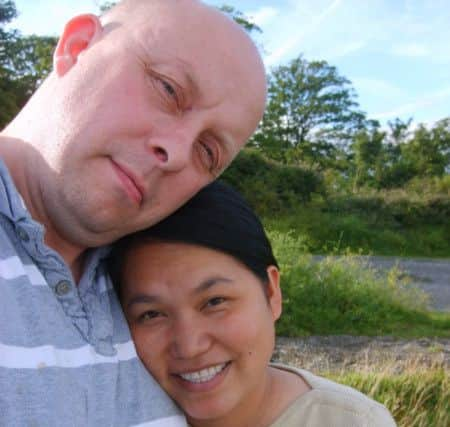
(202,325)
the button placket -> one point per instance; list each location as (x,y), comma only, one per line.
(63,288)
(23,235)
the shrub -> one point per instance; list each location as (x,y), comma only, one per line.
(271,187)
(334,296)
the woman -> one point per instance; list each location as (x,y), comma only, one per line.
(201,293)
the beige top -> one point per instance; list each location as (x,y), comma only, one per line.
(329,404)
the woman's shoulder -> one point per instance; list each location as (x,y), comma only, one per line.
(331,404)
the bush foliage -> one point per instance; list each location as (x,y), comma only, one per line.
(413,221)
(271,187)
(335,296)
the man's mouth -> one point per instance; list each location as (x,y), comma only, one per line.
(129,182)
(204,375)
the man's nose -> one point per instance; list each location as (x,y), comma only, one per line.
(173,148)
(189,339)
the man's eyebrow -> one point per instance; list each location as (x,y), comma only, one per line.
(228,144)
(185,69)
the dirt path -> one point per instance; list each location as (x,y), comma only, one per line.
(335,353)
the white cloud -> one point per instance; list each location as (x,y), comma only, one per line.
(377,87)
(294,41)
(411,50)
(411,108)
(341,50)
(349,48)
(263,16)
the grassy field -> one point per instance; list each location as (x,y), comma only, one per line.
(344,296)
(415,398)
(325,231)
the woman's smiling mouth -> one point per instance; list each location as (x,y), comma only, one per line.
(203,375)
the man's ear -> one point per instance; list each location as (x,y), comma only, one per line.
(78,34)
(274,292)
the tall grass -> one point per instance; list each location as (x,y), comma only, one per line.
(337,296)
(415,399)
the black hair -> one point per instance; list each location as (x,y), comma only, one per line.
(217,217)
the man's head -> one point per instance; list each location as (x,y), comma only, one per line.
(145,106)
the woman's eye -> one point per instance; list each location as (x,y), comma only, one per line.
(213,302)
(149,315)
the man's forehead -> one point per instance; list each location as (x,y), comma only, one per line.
(153,11)
(211,55)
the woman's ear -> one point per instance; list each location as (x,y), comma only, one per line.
(274,291)
(78,34)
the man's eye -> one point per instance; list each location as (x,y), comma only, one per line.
(169,89)
(209,151)
(208,157)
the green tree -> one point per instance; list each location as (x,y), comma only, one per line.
(399,131)
(243,20)
(106,6)
(29,60)
(428,151)
(309,103)
(8,88)
(368,148)
(24,63)
(395,171)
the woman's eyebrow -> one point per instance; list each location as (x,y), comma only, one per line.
(203,286)
(210,282)
(142,299)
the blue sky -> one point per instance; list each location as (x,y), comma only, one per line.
(395,52)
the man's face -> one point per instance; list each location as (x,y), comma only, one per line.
(148,114)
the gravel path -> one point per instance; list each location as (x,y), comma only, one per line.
(364,354)
(431,275)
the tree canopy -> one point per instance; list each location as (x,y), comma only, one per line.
(24,63)
(309,103)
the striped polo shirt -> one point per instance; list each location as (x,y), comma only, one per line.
(66,356)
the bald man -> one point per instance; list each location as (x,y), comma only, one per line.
(144,107)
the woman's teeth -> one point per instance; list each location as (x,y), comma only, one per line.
(204,375)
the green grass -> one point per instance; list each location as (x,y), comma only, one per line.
(415,399)
(326,232)
(325,208)
(344,296)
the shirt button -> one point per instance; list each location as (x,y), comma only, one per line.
(105,349)
(23,235)
(62,288)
